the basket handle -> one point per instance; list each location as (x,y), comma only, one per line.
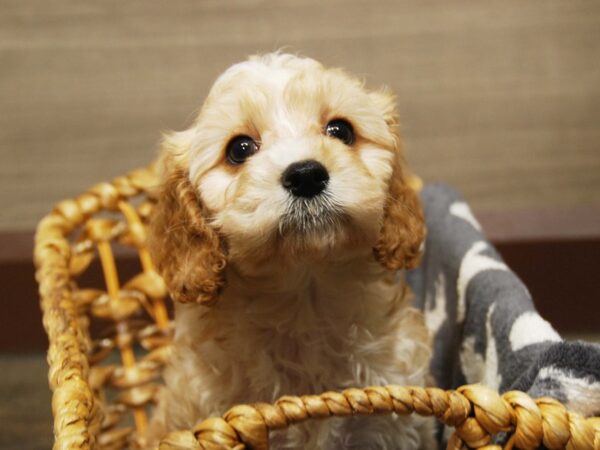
(477,413)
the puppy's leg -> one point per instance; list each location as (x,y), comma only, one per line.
(157,428)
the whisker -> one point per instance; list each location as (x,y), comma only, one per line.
(310,215)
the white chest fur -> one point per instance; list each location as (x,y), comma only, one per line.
(312,330)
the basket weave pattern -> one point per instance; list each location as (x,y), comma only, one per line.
(105,383)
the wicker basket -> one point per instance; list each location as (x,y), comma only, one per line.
(109,344)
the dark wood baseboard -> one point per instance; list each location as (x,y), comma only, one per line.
(561,274)
(562,277)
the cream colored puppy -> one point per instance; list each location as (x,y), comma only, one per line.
(283,216)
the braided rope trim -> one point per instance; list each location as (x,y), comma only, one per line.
(476,412)
(76,417)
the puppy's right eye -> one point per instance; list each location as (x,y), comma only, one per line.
(240,148)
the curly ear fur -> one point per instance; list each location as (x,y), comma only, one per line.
(186,250)
(403,229)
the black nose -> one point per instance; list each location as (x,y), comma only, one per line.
(305,178)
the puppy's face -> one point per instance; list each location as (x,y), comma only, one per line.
(291,160)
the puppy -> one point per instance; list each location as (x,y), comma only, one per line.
(283,217)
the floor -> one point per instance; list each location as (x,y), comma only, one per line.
(25,414)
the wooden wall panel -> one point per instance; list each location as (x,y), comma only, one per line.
(500,98)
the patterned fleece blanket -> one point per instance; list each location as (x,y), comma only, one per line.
(485,326)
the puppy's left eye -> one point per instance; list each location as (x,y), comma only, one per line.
(241,148)
(340,129)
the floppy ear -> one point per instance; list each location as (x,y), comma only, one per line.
(403,228)
(186,250)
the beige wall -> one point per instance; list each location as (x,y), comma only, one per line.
(501,99)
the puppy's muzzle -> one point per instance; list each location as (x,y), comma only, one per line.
(305,178)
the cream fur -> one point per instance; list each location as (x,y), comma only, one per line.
(300,313)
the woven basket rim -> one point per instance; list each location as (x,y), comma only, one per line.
(246,426)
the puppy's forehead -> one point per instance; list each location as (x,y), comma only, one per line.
(266,86)
(272,71)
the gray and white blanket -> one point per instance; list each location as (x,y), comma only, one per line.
(485,326)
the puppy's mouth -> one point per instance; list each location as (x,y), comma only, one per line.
(311,215)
